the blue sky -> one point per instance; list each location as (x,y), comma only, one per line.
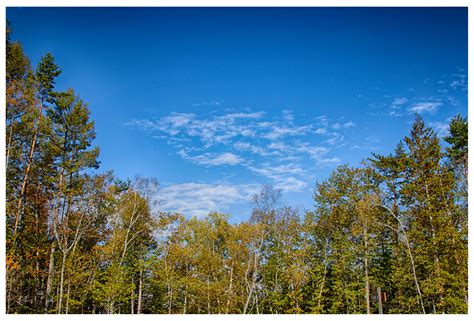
(215,102)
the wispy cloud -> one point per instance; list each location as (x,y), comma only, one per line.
(277,131)
(372,139)
(271,148)
(398,102)
(248,147)
(282,176)
(290,184)
(349,124)
(293,151)
(288,115)
(271,171)
(217,130)
(212,159)
(459,81)
(208,103)
(323,120)
(441,128)
(394,113)
(197,199)
(335,139)
(425,107)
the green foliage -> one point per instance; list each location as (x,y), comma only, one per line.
(46,73)
(82,242)
(457,138)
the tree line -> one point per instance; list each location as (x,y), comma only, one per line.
(388,236)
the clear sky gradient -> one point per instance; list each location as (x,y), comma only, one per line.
(215,102)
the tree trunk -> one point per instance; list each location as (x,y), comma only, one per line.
(131,299)
(185,299)
(254,275)
(140,285)
(68,293)
(407,242)
(230,289)
(252,287)
(50,278)
(414,274)
(379,296)
(61,283)
(366,270)
(321,288)
(9,290)
(10,134)
(208,297)
(170,296)
(185,292)
(27,171)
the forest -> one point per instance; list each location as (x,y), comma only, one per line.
(387,236)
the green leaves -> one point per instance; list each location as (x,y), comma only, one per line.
(90,243)
(46,73)
(457,138)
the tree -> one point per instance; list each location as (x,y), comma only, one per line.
(73,133)
(457,138)
(389,235)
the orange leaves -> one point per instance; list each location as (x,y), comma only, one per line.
(12,265)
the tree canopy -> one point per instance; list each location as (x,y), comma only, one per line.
(387,236)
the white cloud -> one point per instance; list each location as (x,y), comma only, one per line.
(282,176)
(176,120)
(280,143)
(453,101)
(426,107)
(273,171)
(246,132)
(349,124)
(210,159)
(209,103)
(279,146)
(278,132)
(247,147)
(317,153)
(440,128)
(459,82)
(234,116)
(323,120)
(336,139)
(217,130)
(329,161)
(288,115)
(397,102)
(290,184)
(196,199)
(372,139)
(393,113)
(143,124)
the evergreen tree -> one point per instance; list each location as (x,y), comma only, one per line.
(387,236)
